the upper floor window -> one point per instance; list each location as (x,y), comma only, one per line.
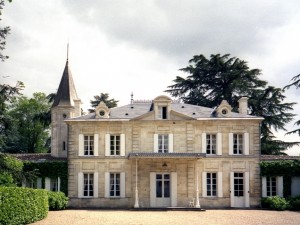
(163,143)
(88,145)
(211,144)
(162,112)
(115,142)
(238,144)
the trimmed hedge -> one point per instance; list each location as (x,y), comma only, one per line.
(22,205)
(57,200)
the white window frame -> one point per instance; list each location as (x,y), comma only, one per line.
(219,184)
(88,145)
(211,144)
(170,138)
(108,184)
(81,184)
(82,145)
(278,184)
(243,143)
(122,142)
(161,114)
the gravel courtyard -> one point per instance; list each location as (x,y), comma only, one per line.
(211,217)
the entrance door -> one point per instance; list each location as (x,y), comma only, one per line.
(239,189)
(163,189)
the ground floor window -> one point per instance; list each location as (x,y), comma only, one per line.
(271,186)
(211,184)
(88,184)
(114,184)
(163,185)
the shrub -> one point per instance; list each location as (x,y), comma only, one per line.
(57,200)
(294,203)
(275,202)
(22,205)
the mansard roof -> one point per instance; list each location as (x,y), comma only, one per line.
(66,93)
(137,110)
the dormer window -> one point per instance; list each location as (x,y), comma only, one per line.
(162,112)
(102,111)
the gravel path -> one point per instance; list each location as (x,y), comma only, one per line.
(211,217)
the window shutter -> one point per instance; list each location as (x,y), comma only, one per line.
(96,184)
(58,184)
(155,142)
(96,144)
(107,184)
(219,143)
(123,145)
(123,185)
(230,141)
(246,143)
(203,142)
(47,183)
(173,189)
(279,186)
(39,183)
(220,184)
(152,189)
(204,190)
(107,144)
(231,189)
(264,186)
(247,190)
(81,145)
(80,185)
(171,143)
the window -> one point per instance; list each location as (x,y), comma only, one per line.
(54,184)
(163,185)
(162,110)
(64,145)
(211,184)
(271,186)
(237,144)
(211,144)
(163,143)
(88,145)
(115,144)
(114,181)
(88,185)
(238,184)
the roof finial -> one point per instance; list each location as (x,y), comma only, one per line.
(68,51)
(131,101)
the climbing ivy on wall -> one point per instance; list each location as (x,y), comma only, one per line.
(52,169)
(285,168)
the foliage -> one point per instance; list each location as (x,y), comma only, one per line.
(276,203)
(296,83)
(4,31)
(221,77)
(57,200)
(294,203)
(22,205)
(103,97)
(284,168)
(31,134)
(11,170)
(51,169)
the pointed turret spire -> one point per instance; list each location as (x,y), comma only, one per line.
(66,93)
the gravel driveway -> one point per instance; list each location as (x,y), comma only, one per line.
(211,217)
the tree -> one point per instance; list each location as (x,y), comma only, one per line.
(296,83)
(103,97)
(4,31)
(221,77)
(31,133)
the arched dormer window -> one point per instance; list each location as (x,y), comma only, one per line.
(102,111)
(162,107)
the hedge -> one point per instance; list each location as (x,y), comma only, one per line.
(57,200)
(20,206)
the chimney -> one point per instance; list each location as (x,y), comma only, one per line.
(243,105)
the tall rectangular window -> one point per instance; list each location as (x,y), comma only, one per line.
(88,184)
(88,145)
(271,186)
(163,143)
(211,144)
(238,144)
(54,184)
(211,184)
(115,185)
(238,184)
(115,144)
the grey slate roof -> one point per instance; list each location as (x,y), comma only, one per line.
(278,157)
(37,157)
(66,93)
(135,110)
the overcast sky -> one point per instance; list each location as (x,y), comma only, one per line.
(119,47)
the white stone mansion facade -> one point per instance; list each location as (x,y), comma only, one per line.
(159,153)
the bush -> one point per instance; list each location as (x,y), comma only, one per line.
(57,200)
(22,205)
(294,203)
(275,202)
